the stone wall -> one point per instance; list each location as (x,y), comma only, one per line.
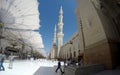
(99,37)
(84,70)
(104,52)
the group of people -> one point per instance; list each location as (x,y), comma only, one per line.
(73,62)
(2,58)
(69,62)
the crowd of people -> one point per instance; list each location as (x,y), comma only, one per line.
(69,62)
(79,62)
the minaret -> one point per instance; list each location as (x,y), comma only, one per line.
(54,40)
(60,30)
(53,49)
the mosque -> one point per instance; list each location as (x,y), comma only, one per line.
(55,49)
(98,36)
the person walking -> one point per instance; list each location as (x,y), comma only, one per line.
(69,62)
(59,67)
(2,57)
(11,59)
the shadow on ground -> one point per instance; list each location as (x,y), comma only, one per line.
(47,71)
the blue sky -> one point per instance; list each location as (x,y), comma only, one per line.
(49,12)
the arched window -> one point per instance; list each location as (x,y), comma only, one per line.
(79,53)
(70,55)
(74,54)
(67,55)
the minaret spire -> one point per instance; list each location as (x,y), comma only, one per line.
(54,40)
(60,30)
(61,10)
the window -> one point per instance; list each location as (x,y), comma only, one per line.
(79,52)
(74,54)
(70,55)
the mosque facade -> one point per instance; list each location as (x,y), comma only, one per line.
(98,36)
